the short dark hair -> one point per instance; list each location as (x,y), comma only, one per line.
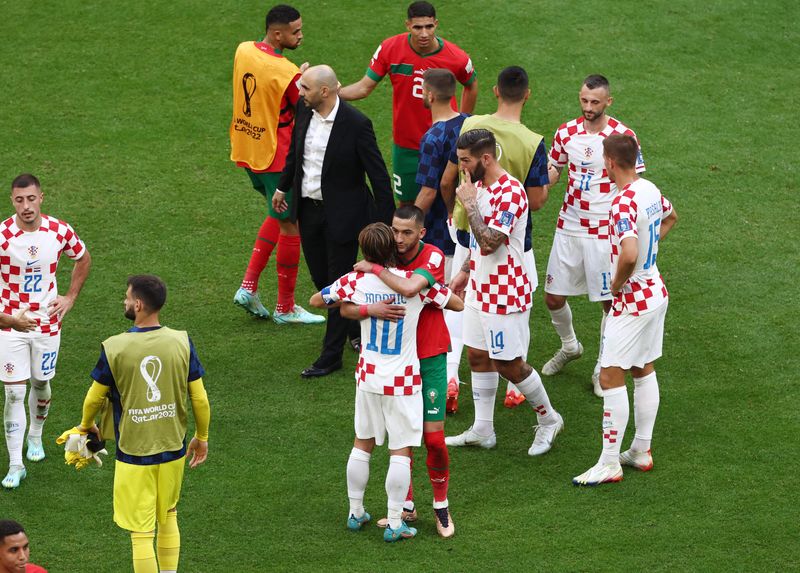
(377,244)
(478,142)
(411,212)
(421,10)
(595,81)
(621,148)
(25,180)
(150,289)
(9,527)
(512,83)
(282,14)
(441,82)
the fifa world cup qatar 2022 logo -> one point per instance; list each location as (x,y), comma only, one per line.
(150,367)
(249,88)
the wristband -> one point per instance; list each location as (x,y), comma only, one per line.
(363,311)
(377,269)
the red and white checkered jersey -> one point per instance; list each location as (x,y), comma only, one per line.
(498,282)
(589,191)
(28,262)
(388,363)
(637,211)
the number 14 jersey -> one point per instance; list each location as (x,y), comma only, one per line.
(388,363)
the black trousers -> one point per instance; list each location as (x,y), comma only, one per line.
(327,261)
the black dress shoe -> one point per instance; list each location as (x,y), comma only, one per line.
(315,371)
(355,344)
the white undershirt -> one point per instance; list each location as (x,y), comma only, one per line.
(317,136)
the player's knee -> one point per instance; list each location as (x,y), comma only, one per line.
(479,360)
(435,441)
(554,301)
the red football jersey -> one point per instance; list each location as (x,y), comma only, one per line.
(433,338)
(396,57)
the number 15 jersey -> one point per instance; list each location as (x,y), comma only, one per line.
(388,363)
(28,263)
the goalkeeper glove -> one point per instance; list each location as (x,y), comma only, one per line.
(81,447)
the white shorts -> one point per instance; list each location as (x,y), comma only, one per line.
(23,357)
(508,335)
(633,341)
(398,416)
(579,265)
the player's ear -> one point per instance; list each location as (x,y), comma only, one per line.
(610,101)
(496,92)
(422,232)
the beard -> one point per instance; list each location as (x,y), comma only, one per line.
(478,173)
(130,314)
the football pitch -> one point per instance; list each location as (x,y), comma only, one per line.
(122,110)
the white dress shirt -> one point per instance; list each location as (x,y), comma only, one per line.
(317,136)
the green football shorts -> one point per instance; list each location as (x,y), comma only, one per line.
(404,173)
(434,387)
(266,184)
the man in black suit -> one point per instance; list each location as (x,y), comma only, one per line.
(333,147)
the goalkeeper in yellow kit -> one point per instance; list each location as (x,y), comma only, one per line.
(147,373)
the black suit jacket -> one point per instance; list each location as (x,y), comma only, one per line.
(352,153)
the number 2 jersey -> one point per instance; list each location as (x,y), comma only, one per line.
(28,263)
(637,211)
(388,363)
(589,192)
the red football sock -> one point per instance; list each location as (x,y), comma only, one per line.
(288,262)
(410,494)
(438,464)
(265,241)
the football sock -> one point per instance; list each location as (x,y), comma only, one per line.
(144,558)
(38,406)
(562,321)
(14,422)
(287,263)
(645,408)
(511,388)
(484,392)
(438,463)
(357,478)
(168,543)
(615,418)
(265,241)
(600,346)
(537,397)
(397,479)
(454,321)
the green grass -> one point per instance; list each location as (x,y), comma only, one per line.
(122,110)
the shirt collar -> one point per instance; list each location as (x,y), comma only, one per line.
(331,116)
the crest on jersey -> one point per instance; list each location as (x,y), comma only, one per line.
(150,368)
(432,395)
(506,218)
(8,367)
(588,152)
(33,250)
(623,226)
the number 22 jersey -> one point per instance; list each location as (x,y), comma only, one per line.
(388,363)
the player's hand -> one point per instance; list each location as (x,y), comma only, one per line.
(459,284)
(387,310)
(304,66)
(362,266)
(199,451)
(22,323)
(466,192)
(279,203)
(60,307)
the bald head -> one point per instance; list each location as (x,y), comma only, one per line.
(322,75)
(319,88)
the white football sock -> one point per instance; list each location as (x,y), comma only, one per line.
(615,418)
(537,397)
(511,388)
(484,392)
(600,346)
(562,321)
(454,321)
(398,478)
(645,408)
(357,478)
(38,406)
(14,421)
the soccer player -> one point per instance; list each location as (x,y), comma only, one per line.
(147,373)
(640,217)
(579,259)
(265,93)
(15,549)
(31,245)
(388,379)
(438,90)
(427,264)
(499,297)
(405,57)
(523,154)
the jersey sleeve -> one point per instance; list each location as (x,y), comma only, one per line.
(74,248)
(292,93)
(437,295)
(623,216)
(666,207)
(379,64)
(463,70)
(342,289)
(558,154)
(102,371)
(537,175)
(431,162)
(509,210)
(640,168)
(196,369)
